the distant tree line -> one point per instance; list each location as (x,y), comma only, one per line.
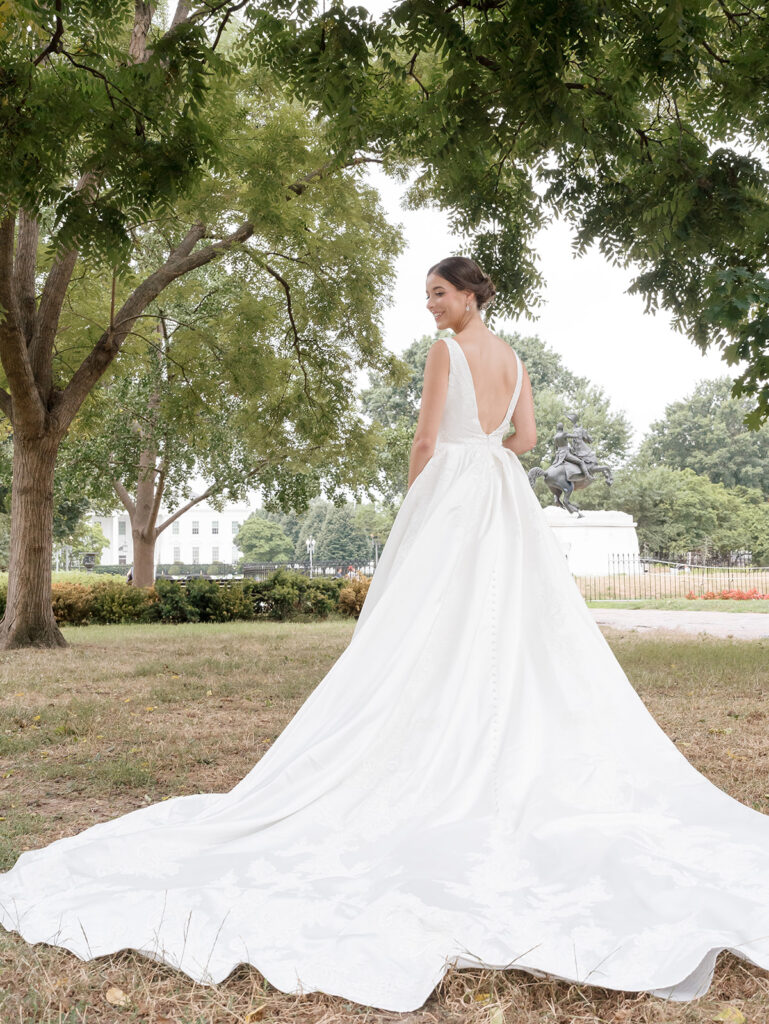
(343,533)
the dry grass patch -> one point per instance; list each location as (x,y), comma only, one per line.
(134,714)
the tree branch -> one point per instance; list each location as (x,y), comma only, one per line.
(299,186)
(58,32)
(7,297)
(294,330)
(185,508)
(51,301)
(137,48)
(25,407)
(217,487)
(24,273)
(159,487)
(181,261)
(181,14)
(125,497)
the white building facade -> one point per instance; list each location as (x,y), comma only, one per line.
(200,536)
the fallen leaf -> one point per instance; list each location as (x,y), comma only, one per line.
(256,1014)
(730,1014)
(496,1015)
(117,997)
(482,997)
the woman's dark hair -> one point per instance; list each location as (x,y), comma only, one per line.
(467,276)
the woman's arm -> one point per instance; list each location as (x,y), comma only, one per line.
(435,387)
(525,436)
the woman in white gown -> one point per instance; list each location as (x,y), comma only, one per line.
(474,782)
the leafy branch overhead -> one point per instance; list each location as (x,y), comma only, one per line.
(620,117)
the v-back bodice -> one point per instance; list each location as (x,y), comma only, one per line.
(460,422)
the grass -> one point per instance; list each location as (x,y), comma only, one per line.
(129,715)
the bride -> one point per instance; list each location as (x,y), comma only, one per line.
(475,782)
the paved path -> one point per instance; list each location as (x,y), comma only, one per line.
(741,625)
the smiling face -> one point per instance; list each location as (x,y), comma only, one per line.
(448,304)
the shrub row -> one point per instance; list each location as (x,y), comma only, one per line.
(282,595)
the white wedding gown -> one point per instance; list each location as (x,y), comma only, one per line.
(474,782)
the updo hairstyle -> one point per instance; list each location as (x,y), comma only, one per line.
(467,276)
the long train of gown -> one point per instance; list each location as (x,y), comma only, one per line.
(474,782)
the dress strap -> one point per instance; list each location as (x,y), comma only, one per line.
(448,339)
(518,383)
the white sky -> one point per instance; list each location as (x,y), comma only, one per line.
(600,331)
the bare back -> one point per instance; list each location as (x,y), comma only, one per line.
(494,373)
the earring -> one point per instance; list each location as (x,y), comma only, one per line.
(467,308)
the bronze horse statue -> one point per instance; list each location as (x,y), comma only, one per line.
(573,468)
(564,479)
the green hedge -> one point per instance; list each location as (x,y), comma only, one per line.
(283,595)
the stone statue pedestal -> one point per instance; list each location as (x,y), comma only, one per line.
(589,542)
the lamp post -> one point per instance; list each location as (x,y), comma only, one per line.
(375,542)
(310,542)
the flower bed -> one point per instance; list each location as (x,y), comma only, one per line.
(728,595)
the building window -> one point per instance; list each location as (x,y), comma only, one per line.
(196,526)
(177,554)
(214,526)
(121,528)
(235,555)
(235,527)
(121,559)
(196,556)
(175,527)
(214,554)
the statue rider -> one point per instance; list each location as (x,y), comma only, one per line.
(563,453)
(581,440)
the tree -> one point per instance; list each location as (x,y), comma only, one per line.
(678,511)
(210,386)
(706,432)
(290,522)
(755,517)
(341,539)
(614,116)
(375,522)
(261,540)
(130,154)
(311,526)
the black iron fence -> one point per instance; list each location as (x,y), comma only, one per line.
(629,578)
(260,570)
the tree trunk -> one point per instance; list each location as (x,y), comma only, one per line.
(144,559)
(29,619)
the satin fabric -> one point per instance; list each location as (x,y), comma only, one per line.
(474,782)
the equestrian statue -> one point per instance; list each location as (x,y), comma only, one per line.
(574,465)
